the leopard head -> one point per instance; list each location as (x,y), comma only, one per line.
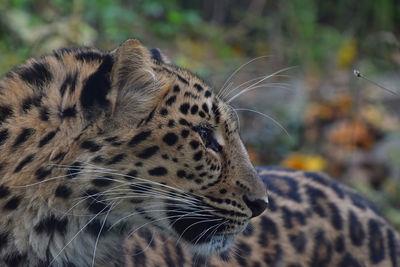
(163,150)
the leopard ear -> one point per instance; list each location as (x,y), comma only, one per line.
(135,84)
(132,67)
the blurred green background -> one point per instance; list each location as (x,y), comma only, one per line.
(335,122)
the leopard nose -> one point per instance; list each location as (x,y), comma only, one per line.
(256,206)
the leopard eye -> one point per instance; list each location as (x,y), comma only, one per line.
(207,136)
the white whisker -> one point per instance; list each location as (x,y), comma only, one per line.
(145,211)
(73,238)
(193,224)
(169,217)
(268,117)
(101,230)
(150,196)
(238,69)
(148,245)
(266,85)
(41,182)
(261,80)
(209,228)
(221,94)
(236,114)
(249,81)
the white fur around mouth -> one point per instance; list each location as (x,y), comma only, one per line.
(217,244)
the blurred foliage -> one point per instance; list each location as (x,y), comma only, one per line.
(347,128)
(312,32)
(305,162)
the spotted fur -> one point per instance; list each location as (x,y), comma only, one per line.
(98,146)
(311,220)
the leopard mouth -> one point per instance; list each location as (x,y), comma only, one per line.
(201,229)
(195,228)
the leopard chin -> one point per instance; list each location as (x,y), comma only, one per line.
(216,245)
(203,232)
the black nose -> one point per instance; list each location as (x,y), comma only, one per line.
(256,206)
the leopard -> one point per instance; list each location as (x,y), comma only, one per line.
(120,158)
